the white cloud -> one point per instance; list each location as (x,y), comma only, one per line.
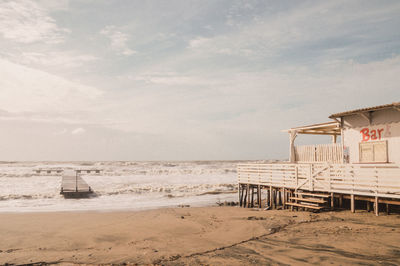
(26,22)
(165,78)
(27,90)
(118,40)
(60,132)
(65,59)
(78,131)
(300,25)
(198,42)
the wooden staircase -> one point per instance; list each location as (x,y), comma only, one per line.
(307,200)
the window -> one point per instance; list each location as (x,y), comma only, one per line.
(373,152)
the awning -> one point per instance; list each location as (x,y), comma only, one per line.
(329,128)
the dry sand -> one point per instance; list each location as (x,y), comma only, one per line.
(213,235)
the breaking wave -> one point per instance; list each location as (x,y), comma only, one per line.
(120,185)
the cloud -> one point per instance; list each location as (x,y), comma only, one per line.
(165,78)
(118,40)
(26,22)
(27,91)
(224,90)
(78,131)
(305,30)
(64,59)
(60,132)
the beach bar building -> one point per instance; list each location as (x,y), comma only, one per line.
(361,165)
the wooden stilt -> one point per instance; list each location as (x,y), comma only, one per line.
(284,198)
(341,201)
(248,196)
(368,206)
(332,200)
(267,202)
(259,196)
(252,197)
(244,195)
(240,195)
(271,197)
(352,203)
(279,197)
(387,209)
(376,206)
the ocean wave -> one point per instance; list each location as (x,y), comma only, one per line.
(181,190)
(27,197)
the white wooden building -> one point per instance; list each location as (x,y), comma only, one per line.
(363,166)
(368,135)
(371,135)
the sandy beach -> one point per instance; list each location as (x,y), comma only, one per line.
(200,236)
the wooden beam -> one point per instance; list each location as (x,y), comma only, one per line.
(371,199)
(367,116)
(352,203)
(319,133)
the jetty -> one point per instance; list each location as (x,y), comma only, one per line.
(360,171)
(73,185)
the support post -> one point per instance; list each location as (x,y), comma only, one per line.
(376,206)
(279,197)
(332,200)
(284,198)
(240,195)
(387,208)
(352,203)
(271,197)
(368,206)
(341,201)
(292,137)
(246,197)
(252,197)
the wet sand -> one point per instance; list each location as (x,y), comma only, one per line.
(200,236)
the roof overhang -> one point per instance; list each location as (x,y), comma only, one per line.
(329,128)
(367,111)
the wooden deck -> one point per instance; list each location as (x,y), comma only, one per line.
(73,185)
(379,183)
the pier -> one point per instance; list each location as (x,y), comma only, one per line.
(73,185)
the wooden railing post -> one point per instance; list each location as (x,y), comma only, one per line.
(310,177)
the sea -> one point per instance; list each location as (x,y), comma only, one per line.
(120,185)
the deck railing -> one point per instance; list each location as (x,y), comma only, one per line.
(380,180)
(332,153)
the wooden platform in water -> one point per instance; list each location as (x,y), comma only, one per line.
(73,185)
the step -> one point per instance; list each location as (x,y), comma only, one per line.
(304,206)
(314,200)
(312,194)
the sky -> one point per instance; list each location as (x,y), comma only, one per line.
(186,80)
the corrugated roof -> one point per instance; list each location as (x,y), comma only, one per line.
(368,109)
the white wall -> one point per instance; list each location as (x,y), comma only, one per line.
(387,122)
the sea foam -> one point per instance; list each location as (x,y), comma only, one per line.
(119,186)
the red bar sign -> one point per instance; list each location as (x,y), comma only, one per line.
(374,134)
